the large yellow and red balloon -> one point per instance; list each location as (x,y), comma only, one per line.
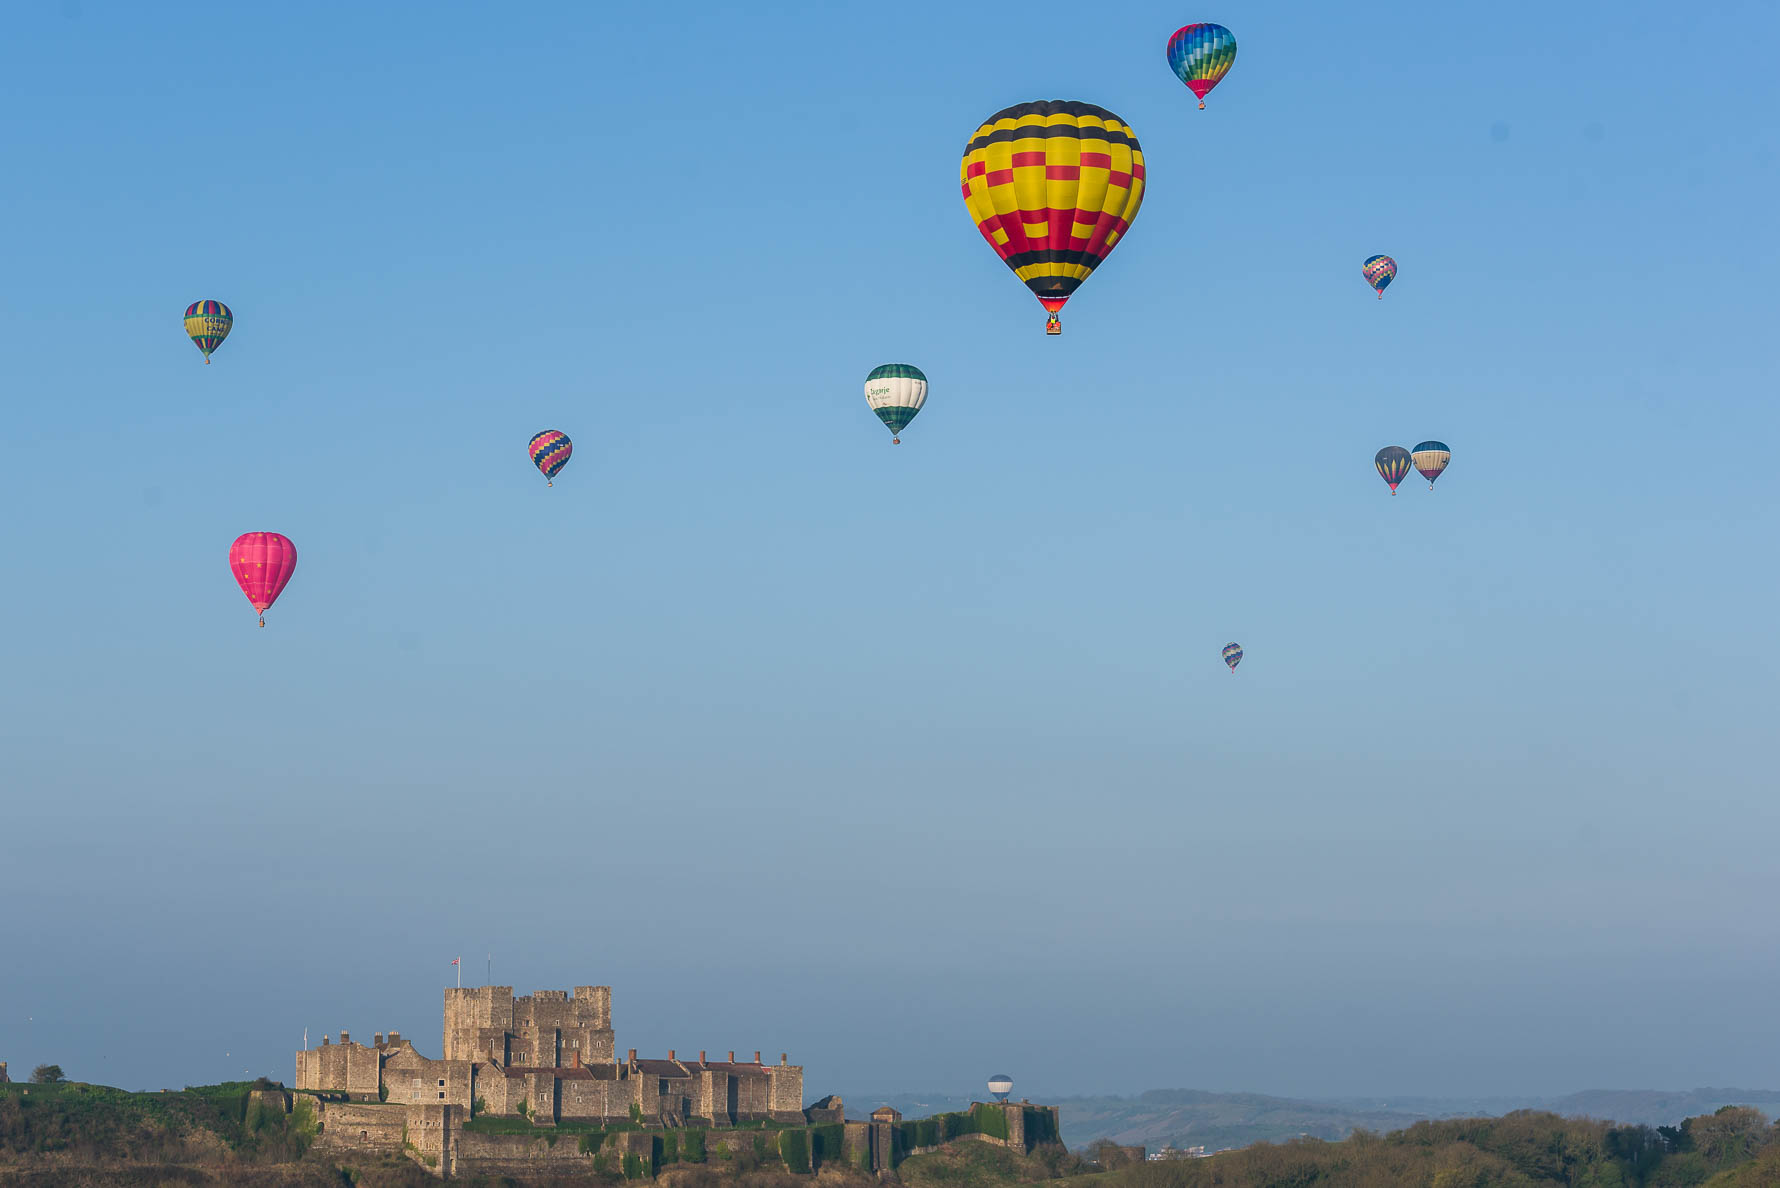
(1053,186)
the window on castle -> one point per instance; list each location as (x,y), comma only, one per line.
(441,1084)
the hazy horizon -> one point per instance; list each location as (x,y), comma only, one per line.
(916,762)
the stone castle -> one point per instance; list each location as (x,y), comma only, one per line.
(551,1057)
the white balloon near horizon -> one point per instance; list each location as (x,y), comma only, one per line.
(1001,1085)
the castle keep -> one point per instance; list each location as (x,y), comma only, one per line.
(551,1056)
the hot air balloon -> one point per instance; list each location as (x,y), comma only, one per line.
(896,392)
(1232,655)
(1393,464)
(550,452)
(1431,457)
(1379,272)
(1001,1085)
(1053,186)
(1201,55)
(208,323)
(262,563)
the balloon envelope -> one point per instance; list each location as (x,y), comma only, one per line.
(1379,272)
(896,392)
(1201,55)
(1431,458)
(550,452)
(262,563)
(208,323)
(1393,464)
(1053,185)
(1233,655)
(1001,1084)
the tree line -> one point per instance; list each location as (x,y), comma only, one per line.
(1735,1147)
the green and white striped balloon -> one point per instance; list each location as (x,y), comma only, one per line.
(896,392)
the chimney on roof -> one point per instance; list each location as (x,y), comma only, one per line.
(575,1056)
(346,1037)
(701,1055)
(732,1055)
(633,1060)
(395,1037)
(756,1055)
(670,1054)
(324,1041)
(783,1057)
(377,1039)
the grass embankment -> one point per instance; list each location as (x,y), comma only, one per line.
(97,1123)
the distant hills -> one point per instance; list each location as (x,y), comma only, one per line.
(1191,1117)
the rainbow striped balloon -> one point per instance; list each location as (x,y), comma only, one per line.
(1201,55)
(550,452)
(208,323)
(1379,272)
(1232,655)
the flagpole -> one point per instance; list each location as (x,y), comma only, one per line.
(460,972)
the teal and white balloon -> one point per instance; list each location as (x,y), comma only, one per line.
(896,392)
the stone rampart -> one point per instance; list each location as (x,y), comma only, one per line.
(360,1128)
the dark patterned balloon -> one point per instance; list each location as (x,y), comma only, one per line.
(1393,464)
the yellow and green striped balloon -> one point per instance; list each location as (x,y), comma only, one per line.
(208,323)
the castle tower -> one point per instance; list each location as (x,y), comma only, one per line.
(477,1020)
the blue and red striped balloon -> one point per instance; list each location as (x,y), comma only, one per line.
(550,452)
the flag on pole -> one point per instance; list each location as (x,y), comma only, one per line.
(459,962)
(456,960)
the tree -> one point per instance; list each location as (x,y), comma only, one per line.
(1734,1133)
(1110,1155)
(46,1074)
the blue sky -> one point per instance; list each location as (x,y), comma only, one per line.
(918,763)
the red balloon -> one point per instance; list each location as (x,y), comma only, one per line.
(263,563)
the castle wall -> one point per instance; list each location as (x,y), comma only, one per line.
(785,1093)
(525,1156)
(340,1068)
(592,1099)
(498,1094)
(431,1133)
(540,1097)
(360,1128)
(412,1079)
